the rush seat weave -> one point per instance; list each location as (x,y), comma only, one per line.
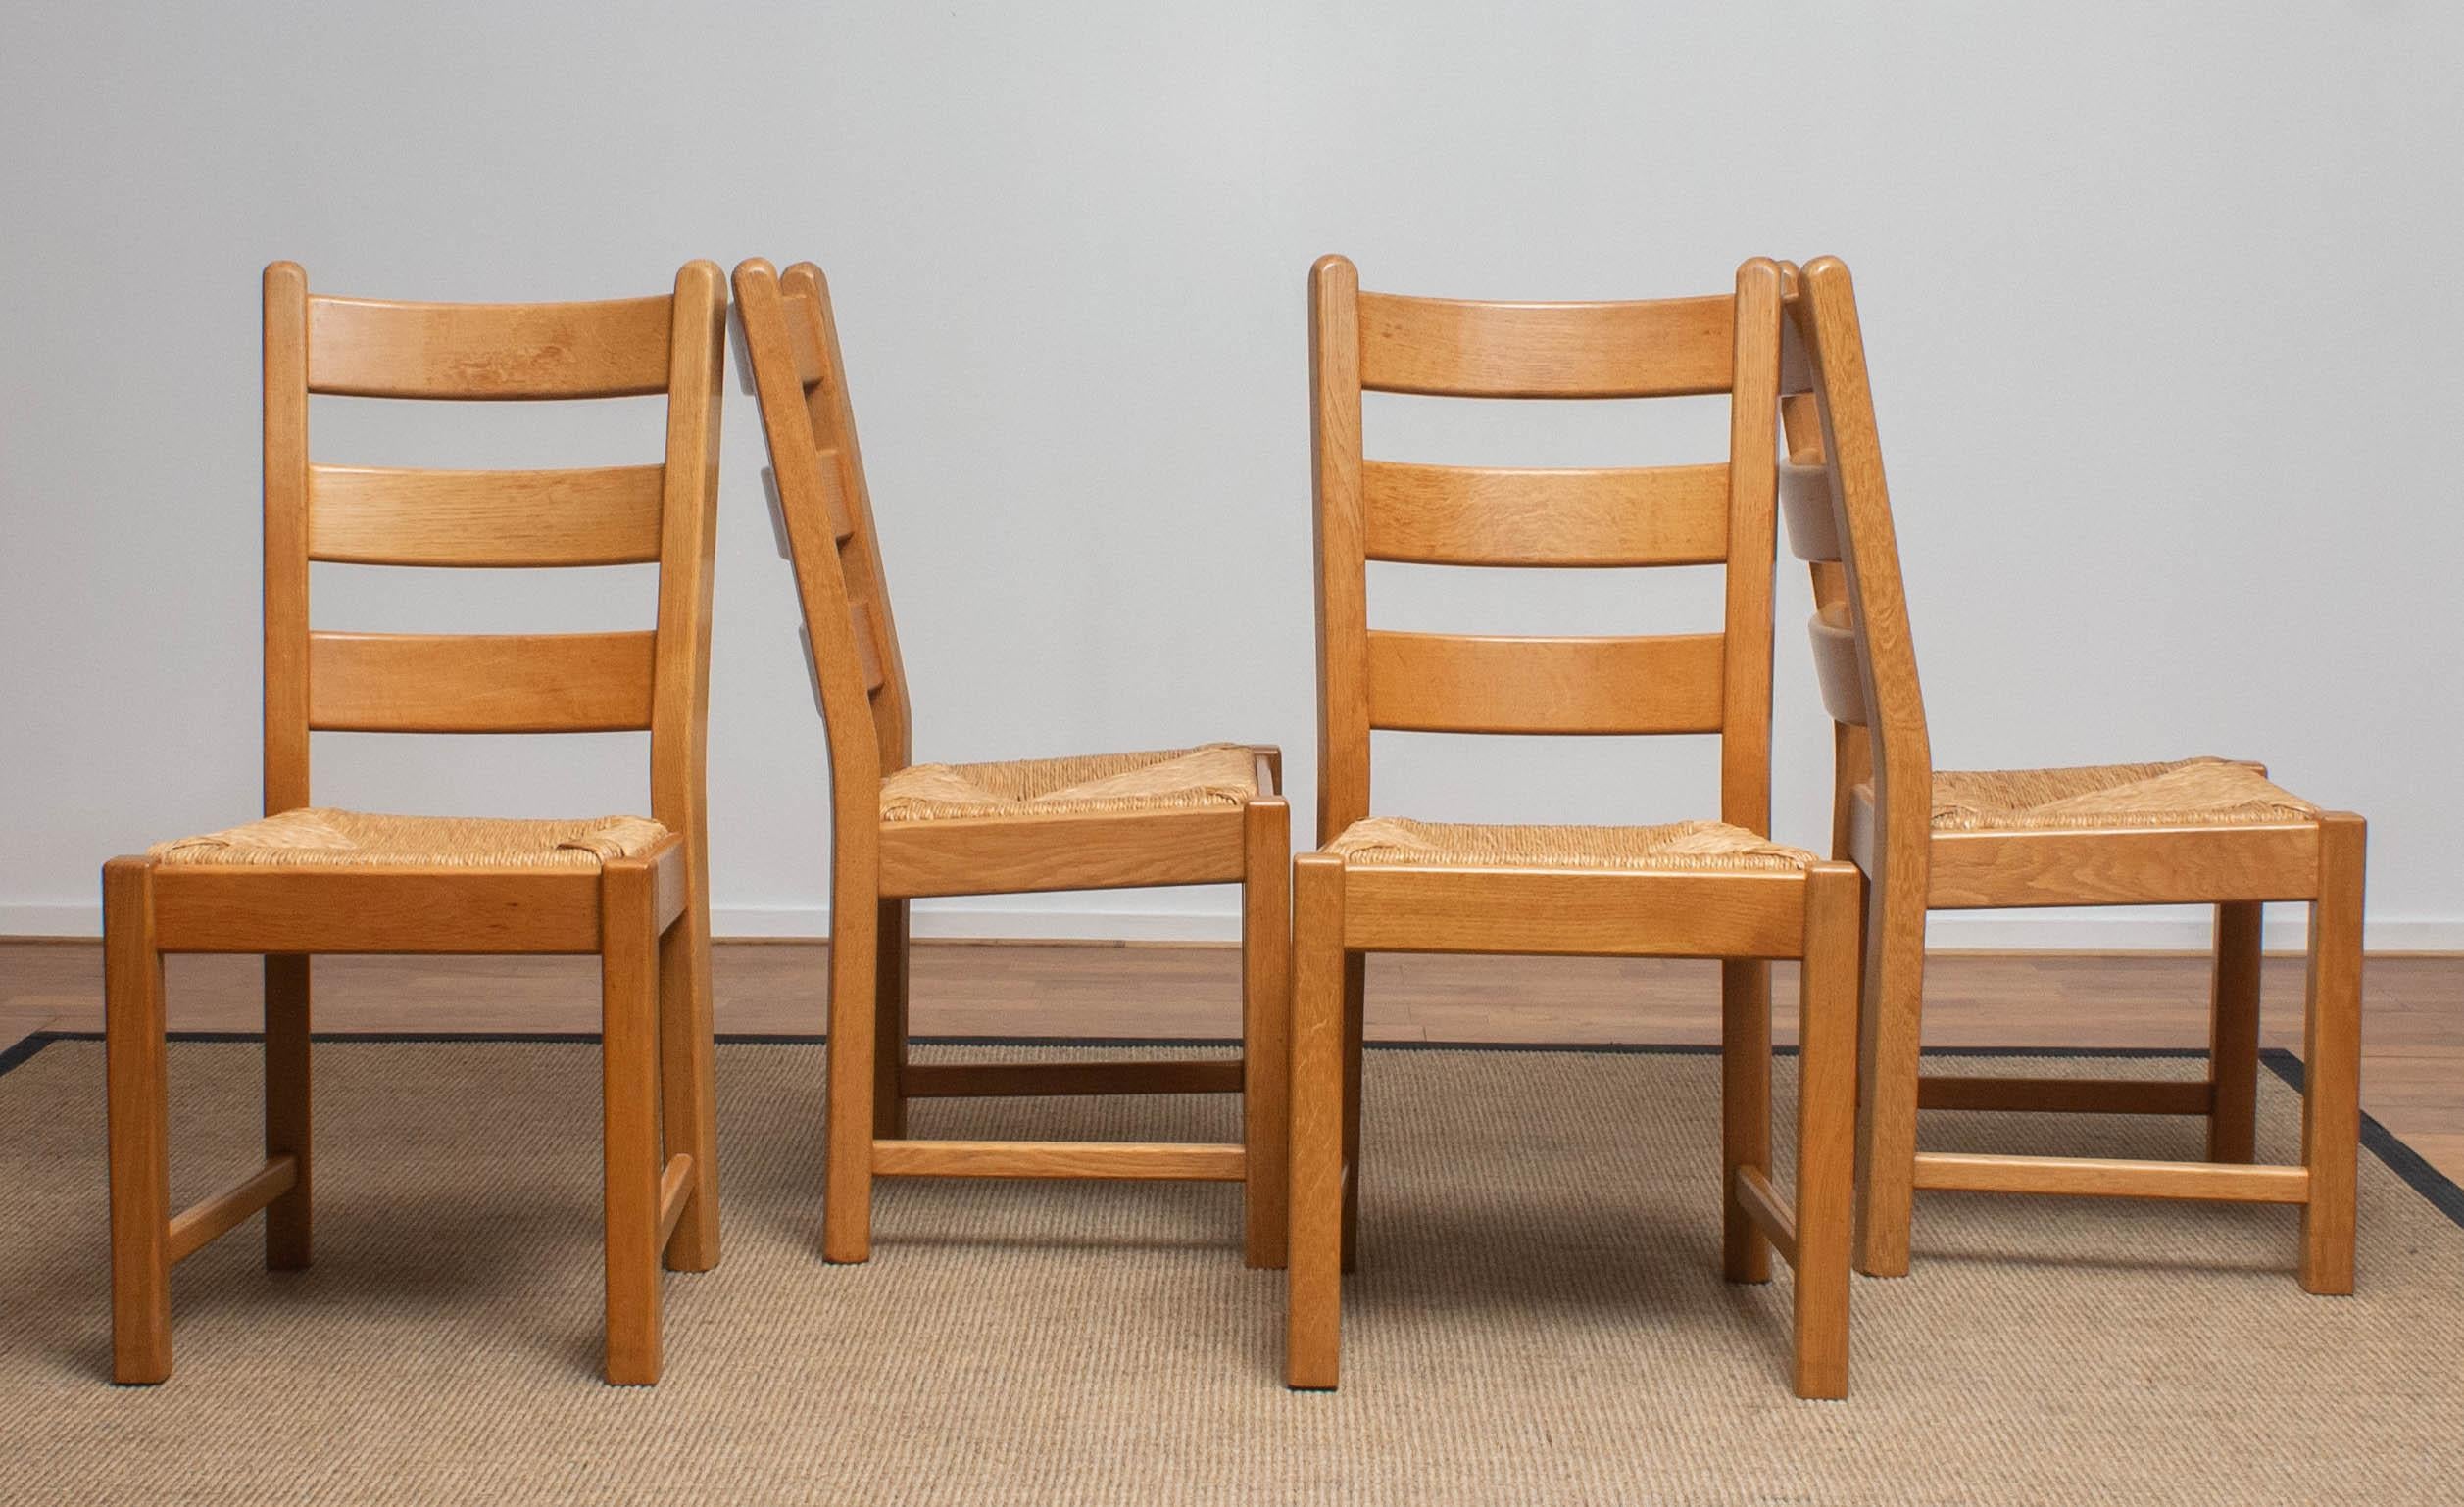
(1219,774)
(1388,842)
(2187,793)
(315,837)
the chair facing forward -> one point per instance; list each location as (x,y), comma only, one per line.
(1702,889)
(2202,830)
(903,829)
(307,879)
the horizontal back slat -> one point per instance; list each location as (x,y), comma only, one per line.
(834,498)
(1446,347)
(479,683)
(1835,665)
(1453,683)
(378,516)
(370,349)
(1473,515)
(867,649)
(1813,526)
(804,338)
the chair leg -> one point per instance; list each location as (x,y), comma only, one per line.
(1891,1038)
(2233,1036)
(687,1080)
(138,1111)
(2331,1059)
(1314,1284)
(1745,1111)
(1355,992)
(847,1191)
(1265,1026)
(288,1118)
(629,1053)
(1825,1132)
(889,1030)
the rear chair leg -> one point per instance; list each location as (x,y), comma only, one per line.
(2233,1036)
(287,1241)
(628,994)
(2331,1059)
(1825,1132)
(1314,1284)
(1265,1026)
(1745,1111)
(138,1113)
(847,1192)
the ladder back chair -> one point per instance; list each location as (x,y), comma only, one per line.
(904,831)
(1700,889)
(2202,830)
(307,879)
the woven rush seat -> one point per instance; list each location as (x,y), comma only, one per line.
(2187,793)
(1389,842)
(1217,774)
(314,836)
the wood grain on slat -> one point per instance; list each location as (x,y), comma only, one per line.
(369,347)
(1474,516)
(371,515)
(1056,1159)
(479,683)
(1836,667)
(1440,682)
(1596,913)
(1656,349)
(200,1224)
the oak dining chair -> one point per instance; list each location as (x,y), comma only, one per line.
(2200,831)
(1697,888)
(905,831)
(308,879)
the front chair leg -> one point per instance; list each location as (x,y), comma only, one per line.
(1267,1027)
(2331,1059)
(1890,1045)
(139,1114)
(687,1083)
(628,997)
(1826,1131)
(1313,1283)
(889,1031)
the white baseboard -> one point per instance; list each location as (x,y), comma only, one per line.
(2018,931)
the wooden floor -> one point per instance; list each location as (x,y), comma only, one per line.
(2413,1032)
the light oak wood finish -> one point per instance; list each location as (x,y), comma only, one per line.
(1840,511)
(645,917)
(1691,683)
(879,865)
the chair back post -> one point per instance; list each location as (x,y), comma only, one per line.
(654,681)
(832,414)
(1343,600)
(1829,416)
(1717,514)
(287,537)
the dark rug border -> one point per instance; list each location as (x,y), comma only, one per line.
(2436,1187)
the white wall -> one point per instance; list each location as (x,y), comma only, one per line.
(2166,360)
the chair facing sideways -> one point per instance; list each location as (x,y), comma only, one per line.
(2201,831)
(307,879)
(1700,889)
(903,830)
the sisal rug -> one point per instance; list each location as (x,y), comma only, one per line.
(1538,1316)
